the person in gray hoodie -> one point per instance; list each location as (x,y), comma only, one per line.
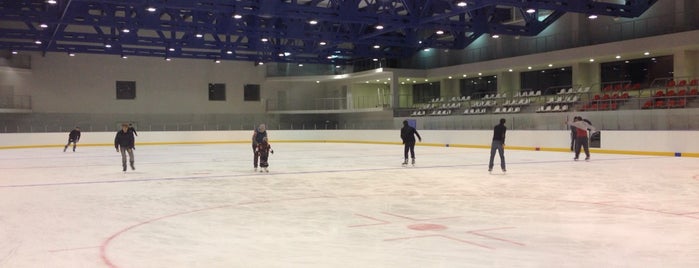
(581,138)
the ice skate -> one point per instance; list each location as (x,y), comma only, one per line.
(132,167)
(587,158)
(413,162)
(266,170)
(65,148)
(490,170)
(124,169)
(255,169)
(504,170)
(405,162)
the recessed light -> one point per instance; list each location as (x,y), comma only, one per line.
(124,57)
(646,53)
(151,9)
(550,65)
(479,74)
(509,70)
(592,60)
(125,30)
(592,16)
(199,35)
(461,4)
(217,61)
(440,32)
(52,2)
(168,59)
(375,59)
(322,43)
(495,36)
(313,22)
(71,54)
(531,10)
(379,27)
(260,63)
(300,64)
(38,42)
(43,25)
(237,16)
(229,52)
(617,57)
(264,39)
(377,46)
(450,77)
(171,49)
(108,46)
(529,67)
(15,52)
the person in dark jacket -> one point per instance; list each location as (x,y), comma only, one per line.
(73,137)
(498,145)
(124,142)
(257,137)
(407,134)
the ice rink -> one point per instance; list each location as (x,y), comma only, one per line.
(345,205)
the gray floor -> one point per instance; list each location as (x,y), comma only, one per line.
(344,205)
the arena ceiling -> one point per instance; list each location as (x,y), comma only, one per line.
(296,31)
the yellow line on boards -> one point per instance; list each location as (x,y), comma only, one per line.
(473,146)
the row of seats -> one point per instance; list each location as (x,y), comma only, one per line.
(580,90)
(530,93)
(482,104)
(664,104)
(475,111)
(682,83)
(615,96)
(621,87)
(563,100)
(520,102)
(600,106)
(552,108)
(507,110)
(680,93)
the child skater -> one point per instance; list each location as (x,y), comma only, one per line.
(73,137)
(263,149)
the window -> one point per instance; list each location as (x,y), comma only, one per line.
(641,71)
(217,92)
(478,86)
(251,92)
(549,81)
(423,93)
(125,90)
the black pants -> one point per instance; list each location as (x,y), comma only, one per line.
(264,157)
(581,142)
(75,143)
(255,157)
(409,147)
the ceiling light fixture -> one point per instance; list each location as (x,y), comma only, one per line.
(43,25)
(52,2)
(440,32)
(379,27)
(313,22)
(322,43)
(264,39)
(199,35)
(125,30)
(151,9)
(237,16)
(461,4)
(592,16)
(377,46)
(496,36)
(531,10)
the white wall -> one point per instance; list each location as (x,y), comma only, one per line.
(87,84)
(629,142)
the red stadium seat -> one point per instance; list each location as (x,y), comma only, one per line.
(615,106)
(682,92)
(693,82)
(615,96)
(607,88)
(671,93)
(681,103)
(694,92)
(625,95)
(659,104)
(659,93)
(618,87)
(682,83)
(605,97)
(647,105)
(671,103)
(597,97)
(671,83)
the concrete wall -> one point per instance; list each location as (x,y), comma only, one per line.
(625,142)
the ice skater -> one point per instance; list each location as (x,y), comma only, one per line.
(263,150)
(124,142)
(581,139)
(407,134)
(257,137)
(498,145)
(73,137)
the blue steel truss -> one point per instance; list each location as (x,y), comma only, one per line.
(297,31)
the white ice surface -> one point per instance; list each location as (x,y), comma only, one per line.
(345,205)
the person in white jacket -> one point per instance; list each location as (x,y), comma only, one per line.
(581,138)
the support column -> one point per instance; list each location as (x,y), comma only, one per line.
(395,92)
(685,64)
(508,82)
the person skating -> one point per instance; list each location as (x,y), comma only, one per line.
(263,150)
(581,138)
(407,134)
(73,137)
(124,142)
(498,145)
(257,137)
